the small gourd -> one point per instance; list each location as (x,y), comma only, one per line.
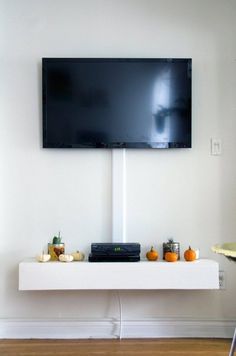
(78,256)
(43,257)
(152,255)
(171,256)
(66,258)
(190,255)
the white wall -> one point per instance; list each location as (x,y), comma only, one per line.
(187,194)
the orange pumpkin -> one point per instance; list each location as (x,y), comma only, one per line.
(171,256)
(190,255)
(152,255)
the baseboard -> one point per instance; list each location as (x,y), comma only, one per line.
(109,328)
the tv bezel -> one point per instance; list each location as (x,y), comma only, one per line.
(153,145)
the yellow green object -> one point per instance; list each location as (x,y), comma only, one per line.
(227,249)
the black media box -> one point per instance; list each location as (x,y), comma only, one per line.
(93,258)
(115,252)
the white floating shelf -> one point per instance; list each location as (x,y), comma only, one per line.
(200,274)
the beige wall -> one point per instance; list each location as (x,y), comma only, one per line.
(187,194)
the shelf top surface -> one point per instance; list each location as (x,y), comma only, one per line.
(201,261)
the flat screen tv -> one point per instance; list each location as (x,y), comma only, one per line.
(116,103)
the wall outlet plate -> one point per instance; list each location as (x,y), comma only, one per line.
(222,280)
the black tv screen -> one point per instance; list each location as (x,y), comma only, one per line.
(116,103)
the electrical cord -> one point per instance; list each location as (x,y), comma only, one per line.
(121,317)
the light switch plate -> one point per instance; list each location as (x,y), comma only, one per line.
(216,146)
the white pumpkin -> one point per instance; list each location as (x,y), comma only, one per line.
(78,256)
(43,257)
(65,258)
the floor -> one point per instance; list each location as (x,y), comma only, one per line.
(127,347)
